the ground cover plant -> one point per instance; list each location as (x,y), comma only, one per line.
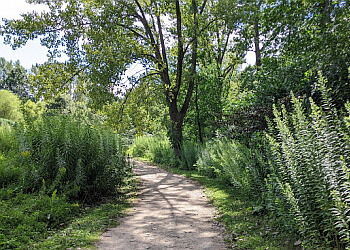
(53,173)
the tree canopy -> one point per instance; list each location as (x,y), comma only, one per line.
(103,38)
(189,48)
(13,77)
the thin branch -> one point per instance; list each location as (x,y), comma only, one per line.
(193,61)
(203,6)
(132,30)
(162,41)
(142,18)
(121,110)
(200,32)
(75,74)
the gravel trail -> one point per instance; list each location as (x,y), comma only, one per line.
(171,212)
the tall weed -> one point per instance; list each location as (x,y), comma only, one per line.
(154,148)
(308,188)
(86,162)
(233,162)
(190,155)
(7,137)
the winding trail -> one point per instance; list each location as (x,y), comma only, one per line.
(171,212)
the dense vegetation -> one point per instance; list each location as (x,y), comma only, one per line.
(276,132)
(51,168)
(297,173)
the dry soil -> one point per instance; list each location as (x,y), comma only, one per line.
(171,212)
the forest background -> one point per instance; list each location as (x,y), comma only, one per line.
(277,131)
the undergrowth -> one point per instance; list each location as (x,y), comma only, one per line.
(40,221)
(62,182)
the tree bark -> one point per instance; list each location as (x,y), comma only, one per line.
(200,135)
(177,138)
(257,44)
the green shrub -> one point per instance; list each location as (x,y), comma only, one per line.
(308,188)
(233,162)
(57,152)
(10,106)
(154,148)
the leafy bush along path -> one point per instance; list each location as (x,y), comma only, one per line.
(172,212)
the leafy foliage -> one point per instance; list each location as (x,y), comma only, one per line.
(10,106)
(26,219)
(309,183)
(13,77)
(154,148)
(84,162)
(235,163)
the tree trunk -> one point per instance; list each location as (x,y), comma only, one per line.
(257,44)
(176,138)
(198,117)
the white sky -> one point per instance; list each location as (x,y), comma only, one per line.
(33,52)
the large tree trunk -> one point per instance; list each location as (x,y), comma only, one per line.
(176,138)
(172,89)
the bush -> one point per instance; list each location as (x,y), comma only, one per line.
(10,106)
(308,189)
(57,152)
(235,163)
(154,148)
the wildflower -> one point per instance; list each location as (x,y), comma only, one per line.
(25,153)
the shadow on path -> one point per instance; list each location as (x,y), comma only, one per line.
(171,212)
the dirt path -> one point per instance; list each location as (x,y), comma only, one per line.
(171,212)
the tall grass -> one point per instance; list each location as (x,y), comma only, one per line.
(158,149)
(154,148)
(7,137)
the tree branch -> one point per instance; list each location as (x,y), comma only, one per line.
(180,50)
(193,61)
(121,110)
